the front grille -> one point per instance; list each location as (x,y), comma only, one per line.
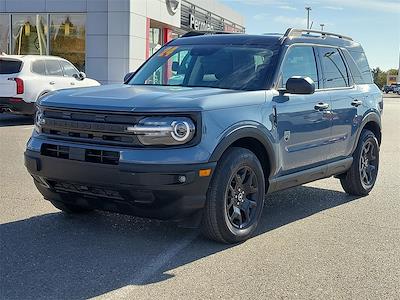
(88,155)
(90,127)
(88,190)
(55,151)
(102,157)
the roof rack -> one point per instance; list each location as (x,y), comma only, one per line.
(293,32)
(197,33)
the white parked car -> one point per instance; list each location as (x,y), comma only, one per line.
(24,79)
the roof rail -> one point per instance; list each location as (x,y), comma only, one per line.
(197,33)
(293,32)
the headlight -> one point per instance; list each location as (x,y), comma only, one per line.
(164,130)
(39,119)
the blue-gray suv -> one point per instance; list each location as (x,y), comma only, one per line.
(208,126)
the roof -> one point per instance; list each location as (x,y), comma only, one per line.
(30,57)
(228,38)
(292,36)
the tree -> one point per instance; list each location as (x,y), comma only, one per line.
(392,71)
(379,77)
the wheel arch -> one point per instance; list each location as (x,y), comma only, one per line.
(254,139)
(371,121)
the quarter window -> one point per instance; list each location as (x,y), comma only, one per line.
(334,69)
(362,64)
(300,61)
(355,72)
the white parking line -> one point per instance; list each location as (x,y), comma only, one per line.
(155,265)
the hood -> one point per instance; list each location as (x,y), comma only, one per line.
(139,98)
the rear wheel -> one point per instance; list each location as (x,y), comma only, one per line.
(235,198)
(70,208)
(361,177)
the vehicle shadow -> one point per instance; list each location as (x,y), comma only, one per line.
(61,257)
(14,120)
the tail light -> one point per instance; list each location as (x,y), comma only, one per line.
(20,85)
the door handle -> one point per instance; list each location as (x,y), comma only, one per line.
(72,83)
(356,102)
(321,106)
(52,83)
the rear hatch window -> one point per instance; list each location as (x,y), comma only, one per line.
(10,66)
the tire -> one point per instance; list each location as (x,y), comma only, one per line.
(235,197)
(70,208)
(360,179)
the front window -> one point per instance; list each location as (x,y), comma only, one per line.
(300,61)
(234,67)
(69,69)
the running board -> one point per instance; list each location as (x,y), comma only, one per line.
(302,177)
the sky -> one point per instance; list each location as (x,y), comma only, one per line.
(373,23)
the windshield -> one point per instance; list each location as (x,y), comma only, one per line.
(218,66)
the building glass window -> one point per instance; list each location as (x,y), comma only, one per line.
(68,38)
(29,34)
(4,33)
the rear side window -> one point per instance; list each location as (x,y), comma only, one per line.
(39,67)
(8,66)
(299,61)
(54,68)
(362,64)
(334,70)
(69,69)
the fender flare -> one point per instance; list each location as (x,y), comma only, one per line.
(369,117)
(255,131)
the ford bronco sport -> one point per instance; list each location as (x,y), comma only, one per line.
(208,126)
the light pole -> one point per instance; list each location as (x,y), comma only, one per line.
(308,9)
(322,26)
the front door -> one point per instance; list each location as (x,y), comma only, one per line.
(303,121)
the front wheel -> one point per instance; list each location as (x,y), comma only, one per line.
(361,177)
(235,198)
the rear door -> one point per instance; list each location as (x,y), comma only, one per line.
(345,98)
(9,69)
(303,128)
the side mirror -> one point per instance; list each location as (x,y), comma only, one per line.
(128,77)
(175,66)
(80,76)
(300,85)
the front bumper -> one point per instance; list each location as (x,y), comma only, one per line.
(146,190)
(16,106)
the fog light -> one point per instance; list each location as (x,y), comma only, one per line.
(182,179)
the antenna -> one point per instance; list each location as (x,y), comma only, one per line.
(308,9)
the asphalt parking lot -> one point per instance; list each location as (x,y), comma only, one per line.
(314,241)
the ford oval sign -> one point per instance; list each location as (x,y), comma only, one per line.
(173,6)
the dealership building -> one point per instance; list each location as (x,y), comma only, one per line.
(106,38)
